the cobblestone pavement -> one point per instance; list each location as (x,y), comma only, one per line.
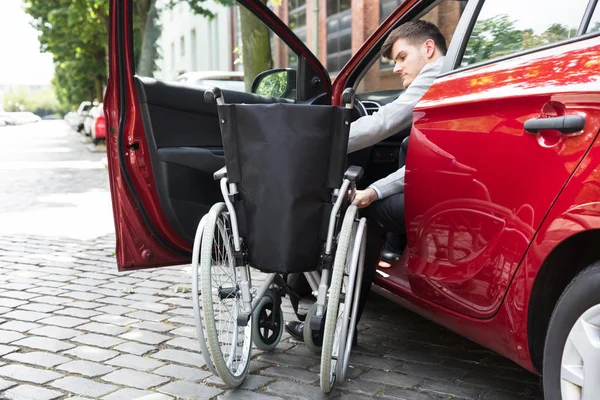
(72,327)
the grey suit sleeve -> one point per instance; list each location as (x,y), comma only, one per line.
(389,120)
(392,117)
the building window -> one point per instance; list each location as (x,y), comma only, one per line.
(339,34)
(194,50)
(387,6)
(297,23)
(182,46)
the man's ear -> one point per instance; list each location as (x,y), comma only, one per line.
(429,47)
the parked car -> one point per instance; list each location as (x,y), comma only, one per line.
(19,117)
(98,126)
(72,119)
(229,80)
(82,112)
(502,178)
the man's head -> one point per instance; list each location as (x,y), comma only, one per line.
(413,45)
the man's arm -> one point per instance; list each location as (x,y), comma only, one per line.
(392,117)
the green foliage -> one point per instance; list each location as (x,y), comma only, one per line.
(75,32)
(43,102)
(273,85)
(497,36)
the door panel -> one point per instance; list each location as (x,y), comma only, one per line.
(478,185)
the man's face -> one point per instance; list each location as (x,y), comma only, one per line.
(409,60)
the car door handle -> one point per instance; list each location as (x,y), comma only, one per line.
(564,124)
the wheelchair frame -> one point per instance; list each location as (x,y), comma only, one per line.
(352,229)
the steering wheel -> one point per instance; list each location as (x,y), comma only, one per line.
(359,110)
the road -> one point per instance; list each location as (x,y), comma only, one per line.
(72,327)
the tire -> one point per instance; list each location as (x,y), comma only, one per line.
(328,353)
(218,272)
(313,340)
(568,343)
(266,334)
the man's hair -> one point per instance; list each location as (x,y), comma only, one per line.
(416,32)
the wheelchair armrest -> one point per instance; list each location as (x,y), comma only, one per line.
(354,173)
(220,174)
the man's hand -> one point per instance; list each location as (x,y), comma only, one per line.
(364,198)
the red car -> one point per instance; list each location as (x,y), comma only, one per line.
(98,126)
(502,181)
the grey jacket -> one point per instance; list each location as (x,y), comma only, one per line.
(389,120)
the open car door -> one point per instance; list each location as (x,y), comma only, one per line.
(163,141)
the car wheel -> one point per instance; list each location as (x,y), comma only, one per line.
(572,352)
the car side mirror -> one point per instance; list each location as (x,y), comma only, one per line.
(279,82)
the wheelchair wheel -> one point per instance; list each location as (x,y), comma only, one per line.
(345,284)
(312,339)
(267,326)
(229,345)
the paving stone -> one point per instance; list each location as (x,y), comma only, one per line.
(140,380)
(40,358)
(114,319)
(92,353)
(135,362)
(55,332)
(107,292)
(86,368)
(16,286)
(4,310)
(153,326)
(189,390)
(98,340)
(87,305)
(7,349)
(182,357)
(296,390)
(145,337)
(78,312)
(51,300)
(245,395)
(449,389)
(30,316)
(189,331)
(65,322)
(255,382)
(381,363)
(392,378)
(5,385)
(154,284)
(11,303)
(13,294)
(87,282)
(19,326)
(156,396)
(177,301)
(48,291)
(185,373)
(128,394)
(134,348)
(86,296)
(300,375)
(288,360)
(106,329)
(29,392)
(186,312)
(126,280)
(9,336)
(182,320)
(40,307)
(185,343)
(28,374)
(116,301)
(147,306)
(82,386)
(42,343)
(143,298)
(147,316)
(116,310)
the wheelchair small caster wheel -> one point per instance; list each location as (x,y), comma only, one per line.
(268,323)
(313,339)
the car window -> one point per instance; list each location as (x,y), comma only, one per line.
(229,50)
(594,25)
(504,27)
(380,84)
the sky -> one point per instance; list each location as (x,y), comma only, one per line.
(20,59)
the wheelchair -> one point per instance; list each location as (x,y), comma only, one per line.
(286,209)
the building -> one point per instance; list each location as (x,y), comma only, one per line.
(191,42)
